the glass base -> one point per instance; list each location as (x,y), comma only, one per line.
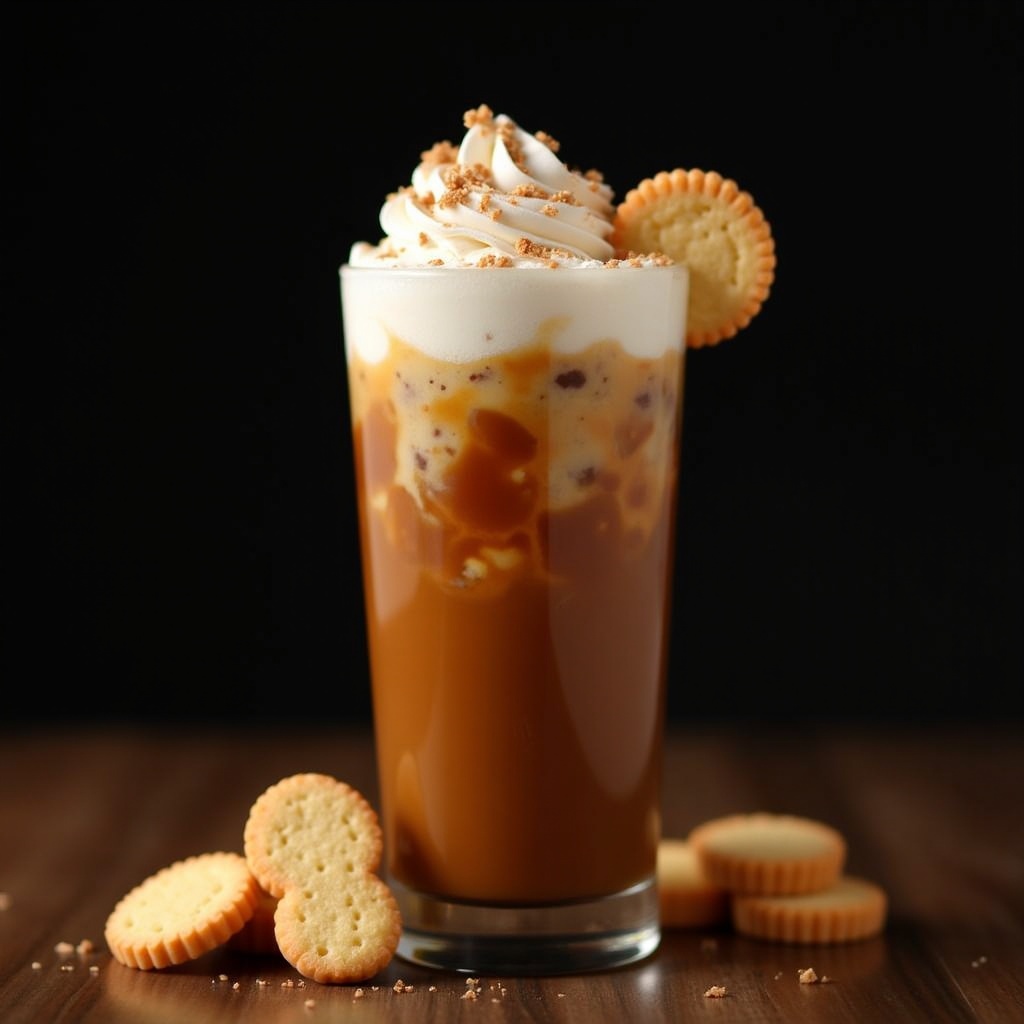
(560,938)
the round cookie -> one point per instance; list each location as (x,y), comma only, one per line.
(685,896)
(258,934)
(314,843)
(182,911)
(769,854)
(851,909)
(710,225)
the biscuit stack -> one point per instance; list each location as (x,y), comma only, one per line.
(776,876)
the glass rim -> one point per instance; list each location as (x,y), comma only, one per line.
(424,271)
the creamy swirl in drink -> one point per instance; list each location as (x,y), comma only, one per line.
(516,397)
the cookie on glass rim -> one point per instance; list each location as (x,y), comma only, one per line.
(710,225)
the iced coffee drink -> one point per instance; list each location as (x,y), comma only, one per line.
(516,401)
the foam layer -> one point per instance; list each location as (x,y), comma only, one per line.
(462,315)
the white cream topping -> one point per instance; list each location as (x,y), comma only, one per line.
(504,198)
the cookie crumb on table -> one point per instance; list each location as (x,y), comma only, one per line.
(807,976)
(716,992)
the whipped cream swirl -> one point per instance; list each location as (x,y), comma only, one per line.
(504,198)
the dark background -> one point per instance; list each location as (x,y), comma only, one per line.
(182,183)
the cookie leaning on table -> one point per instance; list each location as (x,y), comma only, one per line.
(314,843)
(182,911)
(686,898)
(258,934)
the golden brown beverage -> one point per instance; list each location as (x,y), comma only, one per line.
(517,520)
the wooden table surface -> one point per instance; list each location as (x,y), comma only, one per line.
(935,815)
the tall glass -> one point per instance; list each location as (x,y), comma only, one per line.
(516,438)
